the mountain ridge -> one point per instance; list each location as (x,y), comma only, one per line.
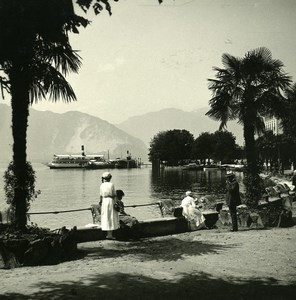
(196,122)
(63,133)
(52,133)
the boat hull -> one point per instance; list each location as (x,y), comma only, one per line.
(66,166)
(210,168)
(193,167)
(69,161)
(94,166)
(126,164)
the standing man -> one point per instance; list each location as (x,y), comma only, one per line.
(232,198)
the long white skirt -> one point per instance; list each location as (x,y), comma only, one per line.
(194,217)
(109,216)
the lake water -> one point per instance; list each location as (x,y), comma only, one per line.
(78,189)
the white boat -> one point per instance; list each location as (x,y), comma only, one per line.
(192,166)
(234,167)
(66,161)
(99,164)
(211,168)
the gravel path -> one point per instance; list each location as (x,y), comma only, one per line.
(206,264)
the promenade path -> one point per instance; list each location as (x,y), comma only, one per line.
(205,264)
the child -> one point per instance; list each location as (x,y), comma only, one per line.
(129,226)
(119,195)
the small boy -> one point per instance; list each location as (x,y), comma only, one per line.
(119,195)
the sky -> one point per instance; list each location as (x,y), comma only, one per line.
(147,57)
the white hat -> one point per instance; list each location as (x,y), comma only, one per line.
(188,193)
(229,173)
(106,175)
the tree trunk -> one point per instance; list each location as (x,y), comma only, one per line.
(252,179)
(20,113)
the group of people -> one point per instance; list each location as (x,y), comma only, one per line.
(112,205)
(195,217)
(113,215)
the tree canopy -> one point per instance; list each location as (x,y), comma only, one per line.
(218,146)
(171,146)
(247,89)
(35,57)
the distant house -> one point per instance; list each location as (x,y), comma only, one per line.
(273,124)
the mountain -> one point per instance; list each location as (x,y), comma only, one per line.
(148,125)
(52,133)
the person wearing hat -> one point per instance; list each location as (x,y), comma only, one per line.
(109,216)
(232,198)
(192,214)
(188,200)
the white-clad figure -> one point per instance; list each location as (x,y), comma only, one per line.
(194,216)
(109,216)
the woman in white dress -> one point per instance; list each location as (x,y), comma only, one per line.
(194,216)
(109,216)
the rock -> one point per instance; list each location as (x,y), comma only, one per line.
(7,258)
(129,228)
(18,246)
(256,221)
(68,245)
(35,246)
(36,253)
(285,218)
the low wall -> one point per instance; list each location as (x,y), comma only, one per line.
(145,228)
(163,226)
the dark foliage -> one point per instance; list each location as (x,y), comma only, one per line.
(171,146)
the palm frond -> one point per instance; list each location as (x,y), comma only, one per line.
(47,80)
(4,85)
(290,92)
(260,53)
(231,62)
(57,87)
(36,92)
(66,60)
(222,109)
(61,55)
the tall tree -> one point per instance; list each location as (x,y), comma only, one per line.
(171,146)
(246,89)
(203,147)
(35,54)
(225,148)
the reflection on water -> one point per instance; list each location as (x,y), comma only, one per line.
(78,189)
(173,182)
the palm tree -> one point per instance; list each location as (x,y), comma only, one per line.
(247,89)
(289,121)
(35,55)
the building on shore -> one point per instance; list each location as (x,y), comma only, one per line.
(273,124)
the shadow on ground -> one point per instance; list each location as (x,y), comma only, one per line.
(166,249)
(194,286)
